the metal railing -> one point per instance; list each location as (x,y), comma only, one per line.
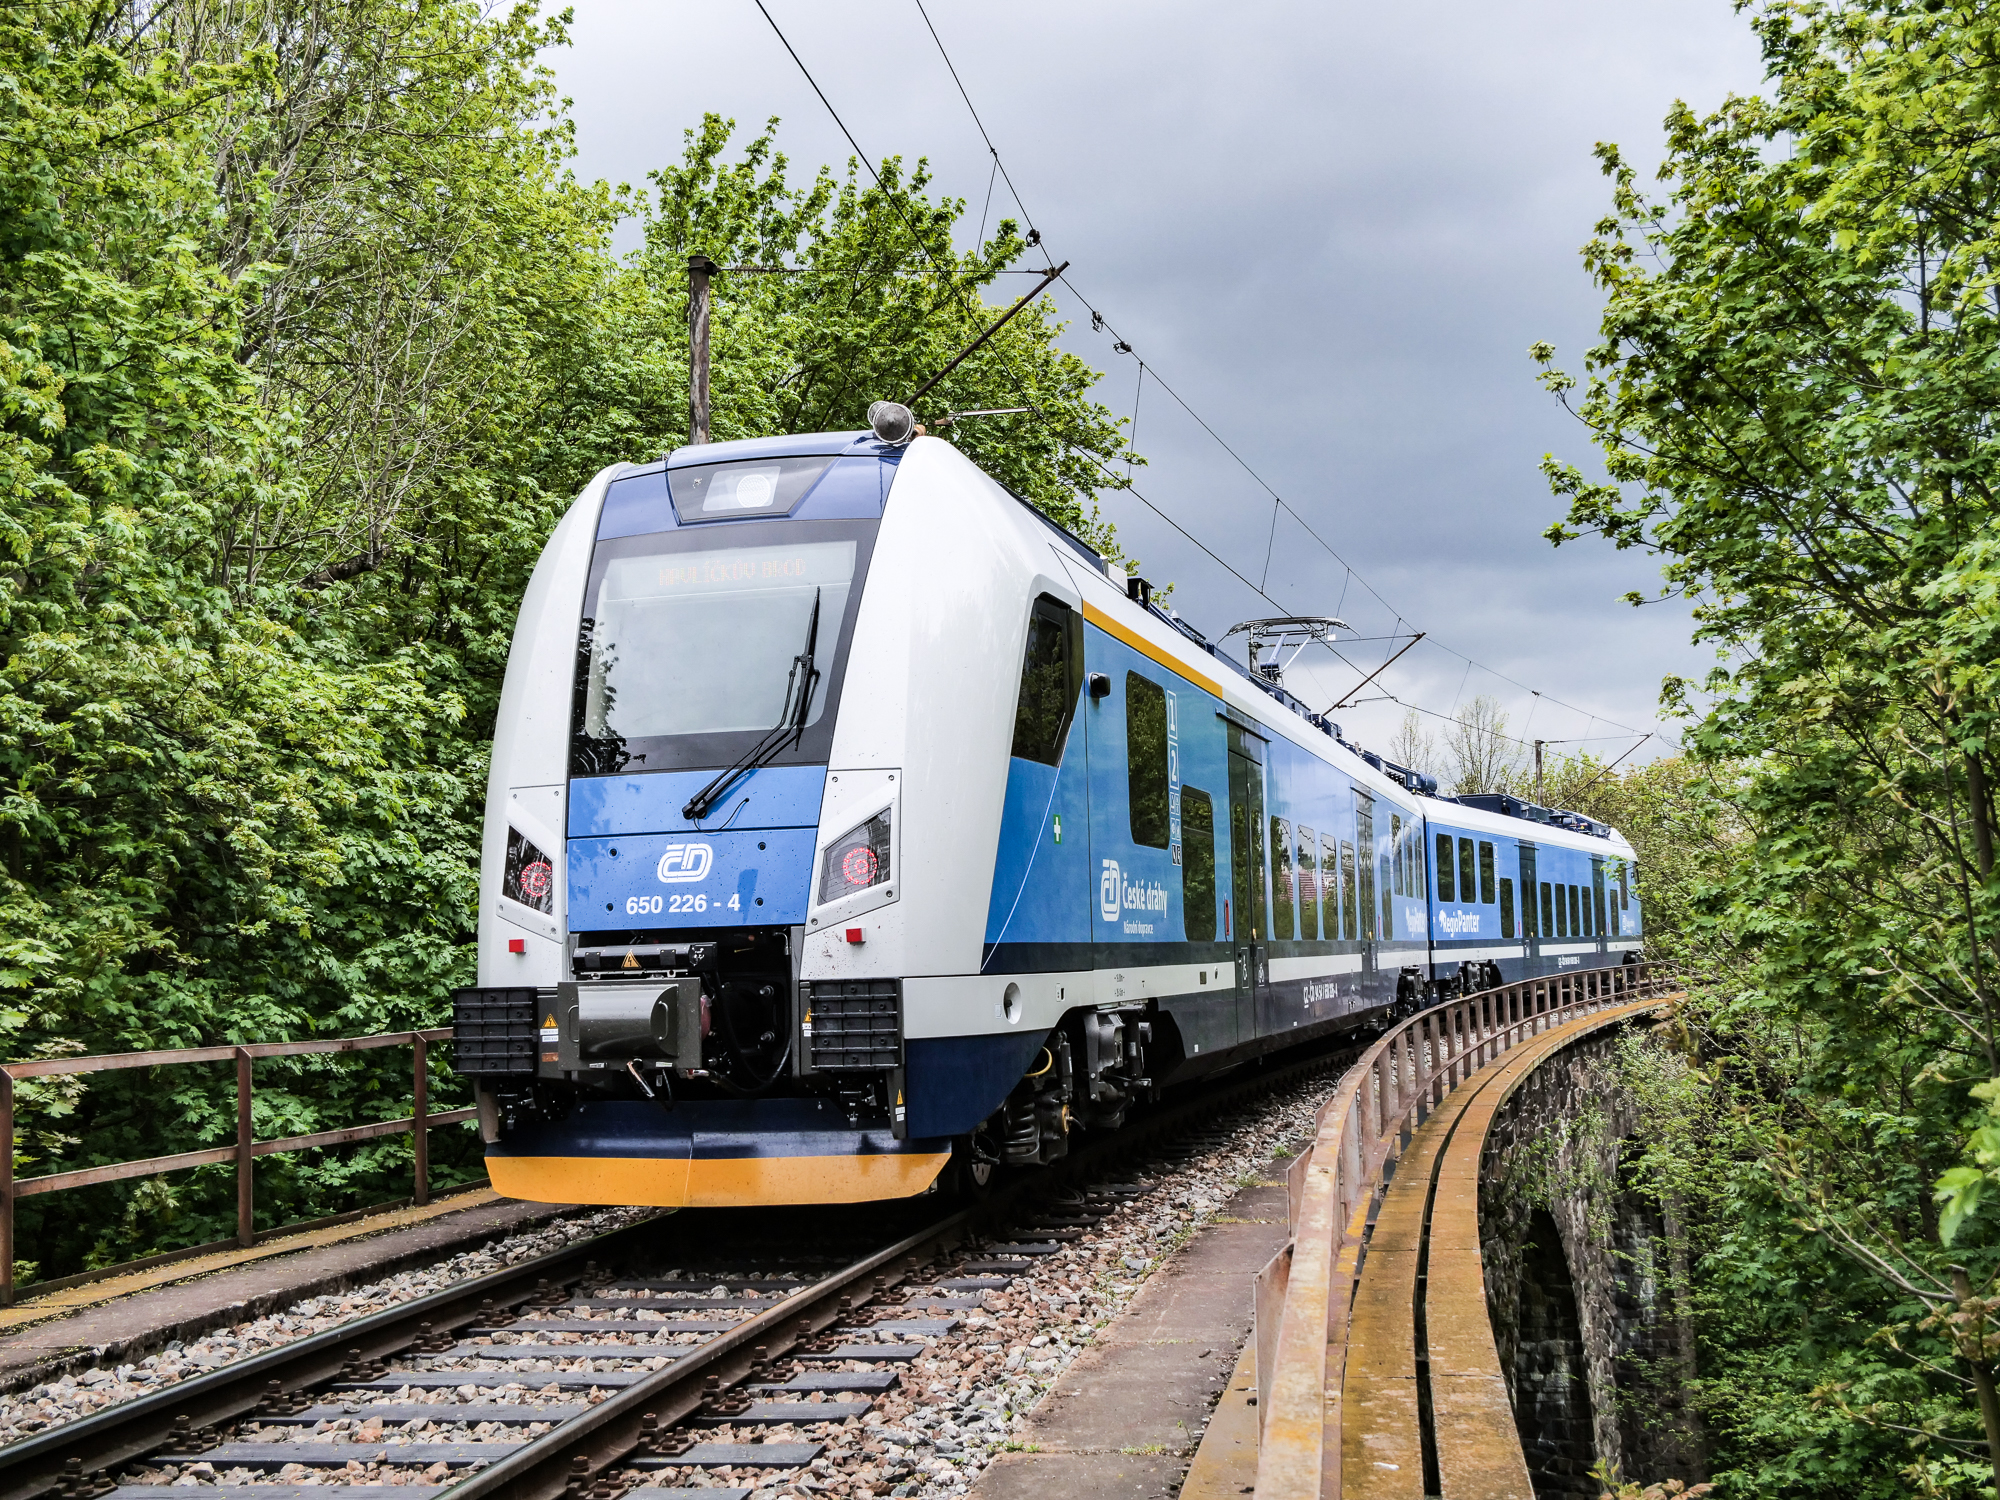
(244,1152)
(1304,1296)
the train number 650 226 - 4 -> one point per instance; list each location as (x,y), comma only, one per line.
(639,906)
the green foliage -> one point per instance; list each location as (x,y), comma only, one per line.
(307,338)
(1676,814)
(1793,402)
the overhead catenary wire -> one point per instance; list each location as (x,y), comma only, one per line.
(1638,737)
(1123,346)
(946,274)
(1100,323)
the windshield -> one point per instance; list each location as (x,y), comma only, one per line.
(690,646)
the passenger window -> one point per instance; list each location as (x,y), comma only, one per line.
(1146,759)
(1198,865)
(1485,873)
(1447,882)
(1396,852)
(1048,684)
(1365,864)
(1617,927)
(1281,880)
(1589,926)
(1506,907)
(1468,887)
(1548,910)
(1308,885)
(1350,904)
(1329,884)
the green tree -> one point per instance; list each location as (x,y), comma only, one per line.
(307,338)
(1793,401)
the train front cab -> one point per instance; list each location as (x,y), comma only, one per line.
(1036,853)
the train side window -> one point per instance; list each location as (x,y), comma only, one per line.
(1589,926)
(1146,759)
(1617,928)
(1506,907)
(1308,884)
(1350,904)
(1049,683)
(1468,885)
(1624,886)
(1281,880)
(1447,881)
(1548,910)
(1198,865)
(1329,884)
(1575,916)
(1364,843)
(1396,852)
(1485,873)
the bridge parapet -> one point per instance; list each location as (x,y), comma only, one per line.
(1365,1387)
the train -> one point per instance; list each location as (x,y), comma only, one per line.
(854,831)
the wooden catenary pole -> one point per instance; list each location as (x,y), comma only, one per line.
(700,268)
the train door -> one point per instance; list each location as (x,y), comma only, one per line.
(1596,899)
(1531,911)
(1364,842)
(1249,931)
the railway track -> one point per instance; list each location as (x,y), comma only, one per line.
(587,1371)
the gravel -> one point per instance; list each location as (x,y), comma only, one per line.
(957,1406)
(81,1393)
(969,1397)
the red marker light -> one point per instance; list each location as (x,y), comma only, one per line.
(517,945)
(854,935)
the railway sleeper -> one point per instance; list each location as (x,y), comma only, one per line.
(760,1390)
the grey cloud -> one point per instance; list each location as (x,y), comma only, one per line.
(1336,230)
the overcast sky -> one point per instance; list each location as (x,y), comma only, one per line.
(1333,229)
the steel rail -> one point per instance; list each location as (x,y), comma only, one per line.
(131,1429)
(548,1465)
(570,1456)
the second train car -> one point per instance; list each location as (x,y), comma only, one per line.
(849,825)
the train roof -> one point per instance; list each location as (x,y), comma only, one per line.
(1139,592)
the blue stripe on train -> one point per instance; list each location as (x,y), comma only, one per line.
(952,1083)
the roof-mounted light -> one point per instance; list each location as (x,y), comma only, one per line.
(894,424)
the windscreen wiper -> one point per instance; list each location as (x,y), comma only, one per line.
(792,722)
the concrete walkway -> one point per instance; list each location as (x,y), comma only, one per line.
(1128,1413)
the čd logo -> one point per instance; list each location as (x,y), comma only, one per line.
(685,862)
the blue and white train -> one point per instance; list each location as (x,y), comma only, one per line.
(850,824)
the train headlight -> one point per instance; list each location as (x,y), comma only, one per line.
(856,860)
(893,424)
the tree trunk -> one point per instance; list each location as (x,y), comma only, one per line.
(1982,815)
(351,567)
(1982,1376)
